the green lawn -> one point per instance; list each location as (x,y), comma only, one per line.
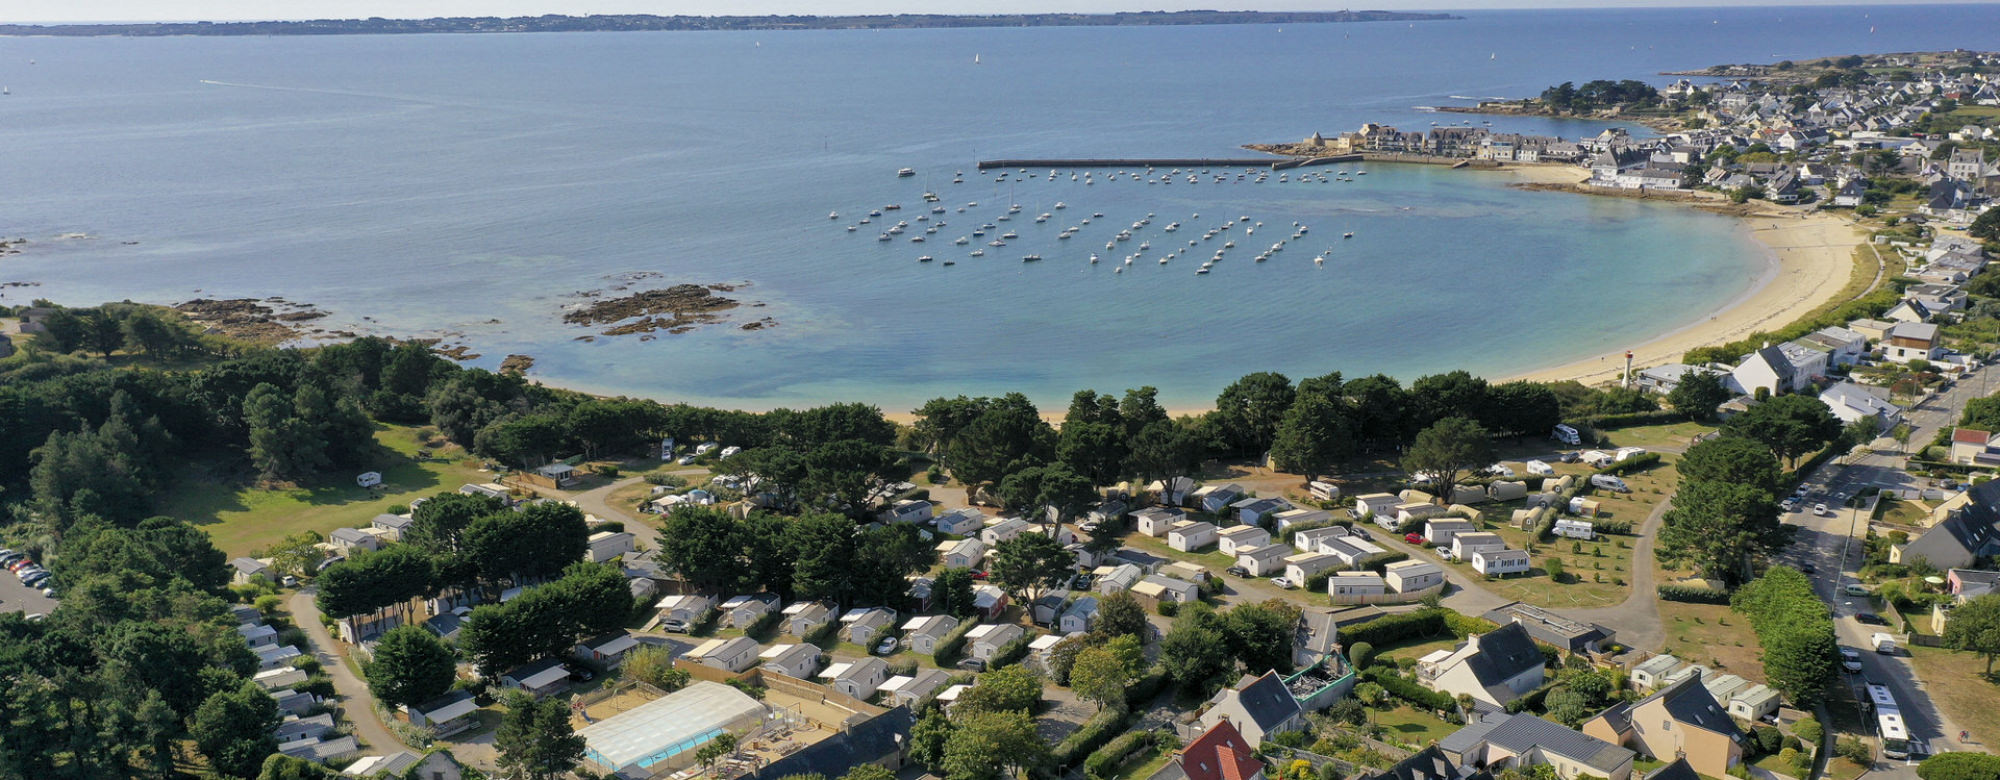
(1959,687)
(1909,514)
(1677,435)
(242,517)
(1408,726)
(1711,635)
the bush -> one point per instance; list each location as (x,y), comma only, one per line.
(1391,629)
(1959,766)
(1768,740)
(1010,653)
(1639,462)
(1693,595)
(1379,563)
(607,471)
(1142,690)
(1854,750)
(1554,566)
(1360,654)
(953,644)
(1794,759)
(1461,625)
(666,480)
(1169,608)
(1409,691)
(1808,730)
(1105,760)
(1101,728)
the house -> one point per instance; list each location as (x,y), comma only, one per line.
(924,633)
(1230,541)
(562,474)
(914,691)
(1185,570)
(985,641)
(1463,545)
(1258,706)
(1353,586)
(1408,513)
(1652,672)
(1190,536)
(745,610)
(1439,531)
(962,554)
(300,703)
(1552,629)
(1309,539)
(687,608)
(1119,578)
(1767,368)
(1411,576)
(608,545)
(487,489)
(1265,561)
(1575,529)
(804,617)
(538,678)
(859,679)
(445,715)
(1377,504)
(1156,521)
(1215,498)
(1967,584)
(736,654)
(1351,550)
(1852,403)
(1290,518)
(1969,447)
(272,656)
(1108,512)
(1044,611)
(1911,341)
(394,765)
(1908,311)
(1753,702)
(351,540)
(1679,720)
(1494,563)
(990,600)
(1081,616)
(862,626)
(1302,567)
(1004,530)
(1173,491)
(279,678)
(1147,562)
(393,525)
(1962,536)
(321,751)
(961,522)
(908,511)
(1520,740)
(258,635)
(1496,667)
(250,570)
(1427,764)
(607,650)
(1257,511)
(1153,589)
(1220,753)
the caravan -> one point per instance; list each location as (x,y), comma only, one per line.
(1608,482)
(1567,435)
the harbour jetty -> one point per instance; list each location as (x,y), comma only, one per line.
(1173,162)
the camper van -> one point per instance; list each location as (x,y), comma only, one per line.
(1566,435)
(1884,643)
(1608,482)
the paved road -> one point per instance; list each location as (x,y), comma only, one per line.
(358,705)
(1833,544)
(1636,620)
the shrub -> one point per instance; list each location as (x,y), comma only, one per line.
(1854,750)
(1461,624)
(1101,728)
(666,480)
(608,471)
(1360,654)
(1142,690)
(1768,740)
(1105,760)
(1169,608)
(1409,691)
(1693,595)
(1391,629)
(1959,766)
(953,644)
(1010,653)
(1554,566)
(1639,462)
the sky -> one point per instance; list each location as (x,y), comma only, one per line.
(235,10)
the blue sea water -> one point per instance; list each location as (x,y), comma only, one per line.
(466,186)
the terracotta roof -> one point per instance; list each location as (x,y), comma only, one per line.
(1969,436)
(1220,753)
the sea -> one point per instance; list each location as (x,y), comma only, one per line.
(472,187)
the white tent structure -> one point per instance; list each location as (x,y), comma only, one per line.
(665,733)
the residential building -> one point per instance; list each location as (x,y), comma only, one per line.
(1302,567)
(1286,520)
(393,524)
(1909,341)
(1351,550)
(1309,539)
(1354,586)
(990,600)
(745,610)
(859,679)
(1969,447)
(1411,576)
(250,570)
(924,633)
(862,626)
(539,678)
(1116,579)
(1266,561)
(1191,536)
(1258,511)
(963,521)
(1157,521)
(607,650)
(1220,753)
(1495,668)
(1377,504)
(1520,740)
(1852,403)
(1679,720)
(1960,537)
(730,655)
(907,511)
(1552,629)
(1215,498)
(798,660)
(1769,369)
(1258,706)
(1154,589)
(1494,563)
(688,608)
(914,691)
(1081,616)
(1230,541)
(1439,531)
(1004,530)
(1463,545)
(966,553)
(1654,671)
(804,617)
(445,715)
(986,640)
(608,545)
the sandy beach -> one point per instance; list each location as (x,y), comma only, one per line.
(1811,257)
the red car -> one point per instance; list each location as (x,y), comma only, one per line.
(978,575)
(1413,538)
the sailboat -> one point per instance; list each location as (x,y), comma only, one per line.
(975,59)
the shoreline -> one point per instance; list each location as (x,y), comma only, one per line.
(1809,258)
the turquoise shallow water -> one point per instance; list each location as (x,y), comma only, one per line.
(437,183)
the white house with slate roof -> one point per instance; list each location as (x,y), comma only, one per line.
(1496,667)
(799,660)
(1503,740)
(1258,706)
(924,633)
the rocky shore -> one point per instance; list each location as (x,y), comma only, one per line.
(266,321)
(677,309)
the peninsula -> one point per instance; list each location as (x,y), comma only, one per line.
(651,22)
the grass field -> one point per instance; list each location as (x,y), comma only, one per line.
(1711,635)
(1675,435)
(242,517)
(1408,726)
(1958,685)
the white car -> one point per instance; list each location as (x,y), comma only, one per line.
(1850,659)
(1283,583)
(1820,510)
(887,645)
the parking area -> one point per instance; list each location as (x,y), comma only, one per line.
(15,597)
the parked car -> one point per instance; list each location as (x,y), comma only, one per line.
(35,580)
(972,664)
(1807,567)
(887,646)
(578,673)
(1080,582)
(1238,571)
(674,626)
(1802,491)
(686,460)
(1789,505)
(1413,538)
(978,575)
(1855,589)
(1283,583)
(1850,660)
(1357,533)
(1820,510)
(1869,618)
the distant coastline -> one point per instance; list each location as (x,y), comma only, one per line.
(651,22)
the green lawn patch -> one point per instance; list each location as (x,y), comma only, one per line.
(1408,726)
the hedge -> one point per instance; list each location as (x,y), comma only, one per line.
(1141,691)
(1460,624)
(1638,462)
(1380,563)
(1606,525)
(1088,738)
(1390,629)
(1959,766)
(1409,691)
(1693,595)
(1106,759)
(953,644)
(1010,653)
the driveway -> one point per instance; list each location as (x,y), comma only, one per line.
(358,705)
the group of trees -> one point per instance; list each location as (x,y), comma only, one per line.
(1725,513)
(1569,98)
(457,542)
(1795,630)
(812,556)
(114,326)
(1204,646)
(832,458)
(989,733)
(546,620)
